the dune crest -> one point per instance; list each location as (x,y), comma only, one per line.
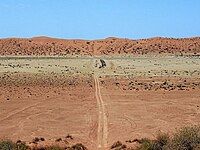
(51,46)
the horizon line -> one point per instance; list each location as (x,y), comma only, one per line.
(109,37)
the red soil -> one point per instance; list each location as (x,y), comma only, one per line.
(108,46)
(53,107)
(52,111)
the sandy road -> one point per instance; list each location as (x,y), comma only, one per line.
(102,134)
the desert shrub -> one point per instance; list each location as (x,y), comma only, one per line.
(7,145)
(159,143)
(116,144)
(187,138)
(78,146)
(145,144)
(54,148)
(21,146)
(36,139)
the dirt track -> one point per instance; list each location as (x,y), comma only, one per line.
(130,98)
(102,122)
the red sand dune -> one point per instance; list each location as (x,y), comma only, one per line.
(108,46)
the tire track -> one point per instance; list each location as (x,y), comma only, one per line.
(19,111)
(102,135)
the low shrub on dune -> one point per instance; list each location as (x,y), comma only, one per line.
(186,138)
(9,145)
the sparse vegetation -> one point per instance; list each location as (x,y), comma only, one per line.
(116,144)
(187,138)
(159,144)
(19,145)
(9,145)
(53,148)
(78,146)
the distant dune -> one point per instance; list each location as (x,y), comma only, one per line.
(109,46)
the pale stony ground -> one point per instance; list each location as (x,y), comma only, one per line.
(126,66)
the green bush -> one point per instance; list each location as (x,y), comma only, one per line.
(158,144)
(7,145)
(161,141)
(187,138)
(145,144)
(21,146)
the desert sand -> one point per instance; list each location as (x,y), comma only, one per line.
(109,46)
(68,100)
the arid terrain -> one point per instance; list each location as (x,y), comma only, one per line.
(97,92)
(109,46)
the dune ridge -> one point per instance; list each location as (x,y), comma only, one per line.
(109,46)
